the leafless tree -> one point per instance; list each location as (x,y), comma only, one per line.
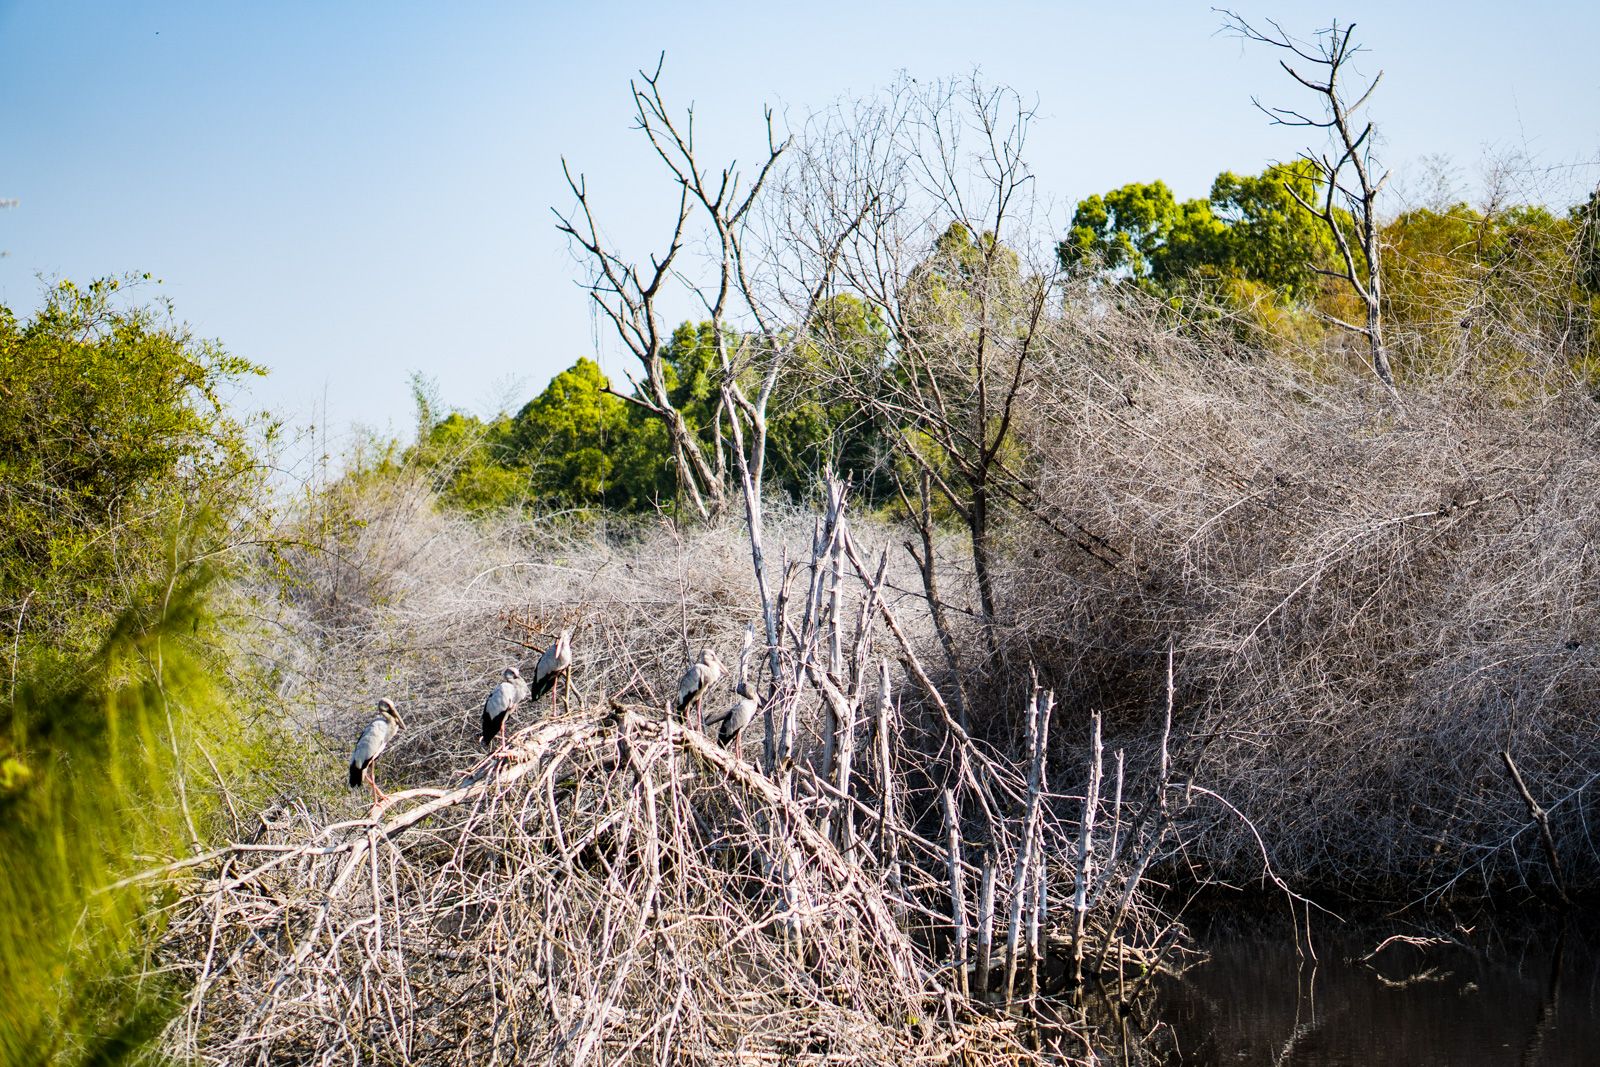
(629,293)
(1346,170)
(760,305)
(942,253)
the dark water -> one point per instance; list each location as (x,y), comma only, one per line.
(1492,996)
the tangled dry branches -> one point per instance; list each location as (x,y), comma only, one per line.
(868,883)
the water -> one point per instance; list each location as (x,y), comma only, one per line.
(1496,997)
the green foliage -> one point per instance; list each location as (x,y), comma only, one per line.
(1249,228)
(582,446)
(114,432)
(1459,279)
(694,372)
(113,422)
(471,463)
(965,281)
(814,425)
(961,305)
(1586,219)
(1266,236)
(104,749)
(1123,232)
(575,445)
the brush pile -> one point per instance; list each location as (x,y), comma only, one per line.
(1368,605)
(865,882)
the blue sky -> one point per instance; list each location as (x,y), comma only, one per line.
(349,192)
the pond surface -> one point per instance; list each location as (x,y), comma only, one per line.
(1487,996)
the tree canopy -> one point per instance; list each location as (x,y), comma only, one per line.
(123,477)
(1249,227)
(114,424)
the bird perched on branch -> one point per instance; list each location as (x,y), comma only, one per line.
(503,699)
(374,739)
(554,662)
(736,718)
(701,675)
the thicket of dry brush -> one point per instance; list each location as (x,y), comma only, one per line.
(1368,608)
(619,888)
(1363,611)
(1155,600)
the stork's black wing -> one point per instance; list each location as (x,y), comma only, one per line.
(374,739)
(541,686)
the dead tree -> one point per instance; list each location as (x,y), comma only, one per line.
(1345,171)
(940,252)
(627,293)
(760,305)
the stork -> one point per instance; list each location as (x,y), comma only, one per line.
(555,660)
(374,739)
(701,675)
(736,718)
(503,699)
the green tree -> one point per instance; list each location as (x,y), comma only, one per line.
(1488,287)
(92,788)
(1122,232)
(123,480)
(1585,218)
(693,375)
(473,463)
(816,424)
(583,446)
(1264,235)
(969,325)
(113,425)
(1249,228)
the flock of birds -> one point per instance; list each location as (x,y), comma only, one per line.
(555,664)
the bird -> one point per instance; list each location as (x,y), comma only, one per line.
(555,660)
(736,718)
(374,739)
(701,675)
(502,700)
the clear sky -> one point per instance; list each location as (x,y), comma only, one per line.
(349,192)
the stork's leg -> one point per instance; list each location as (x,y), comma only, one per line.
(372,780)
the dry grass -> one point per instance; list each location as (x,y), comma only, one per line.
(1367,605)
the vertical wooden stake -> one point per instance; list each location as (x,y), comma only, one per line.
(958,895)
(985,923)
(1038,724)
(1036,918)
(1085,872)
(846,809)
(888,841)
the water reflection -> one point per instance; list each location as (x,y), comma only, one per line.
(1492,997)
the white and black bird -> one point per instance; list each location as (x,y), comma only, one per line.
(701,675)
(503,699)
(554,663)
(374,739)
(736,718)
